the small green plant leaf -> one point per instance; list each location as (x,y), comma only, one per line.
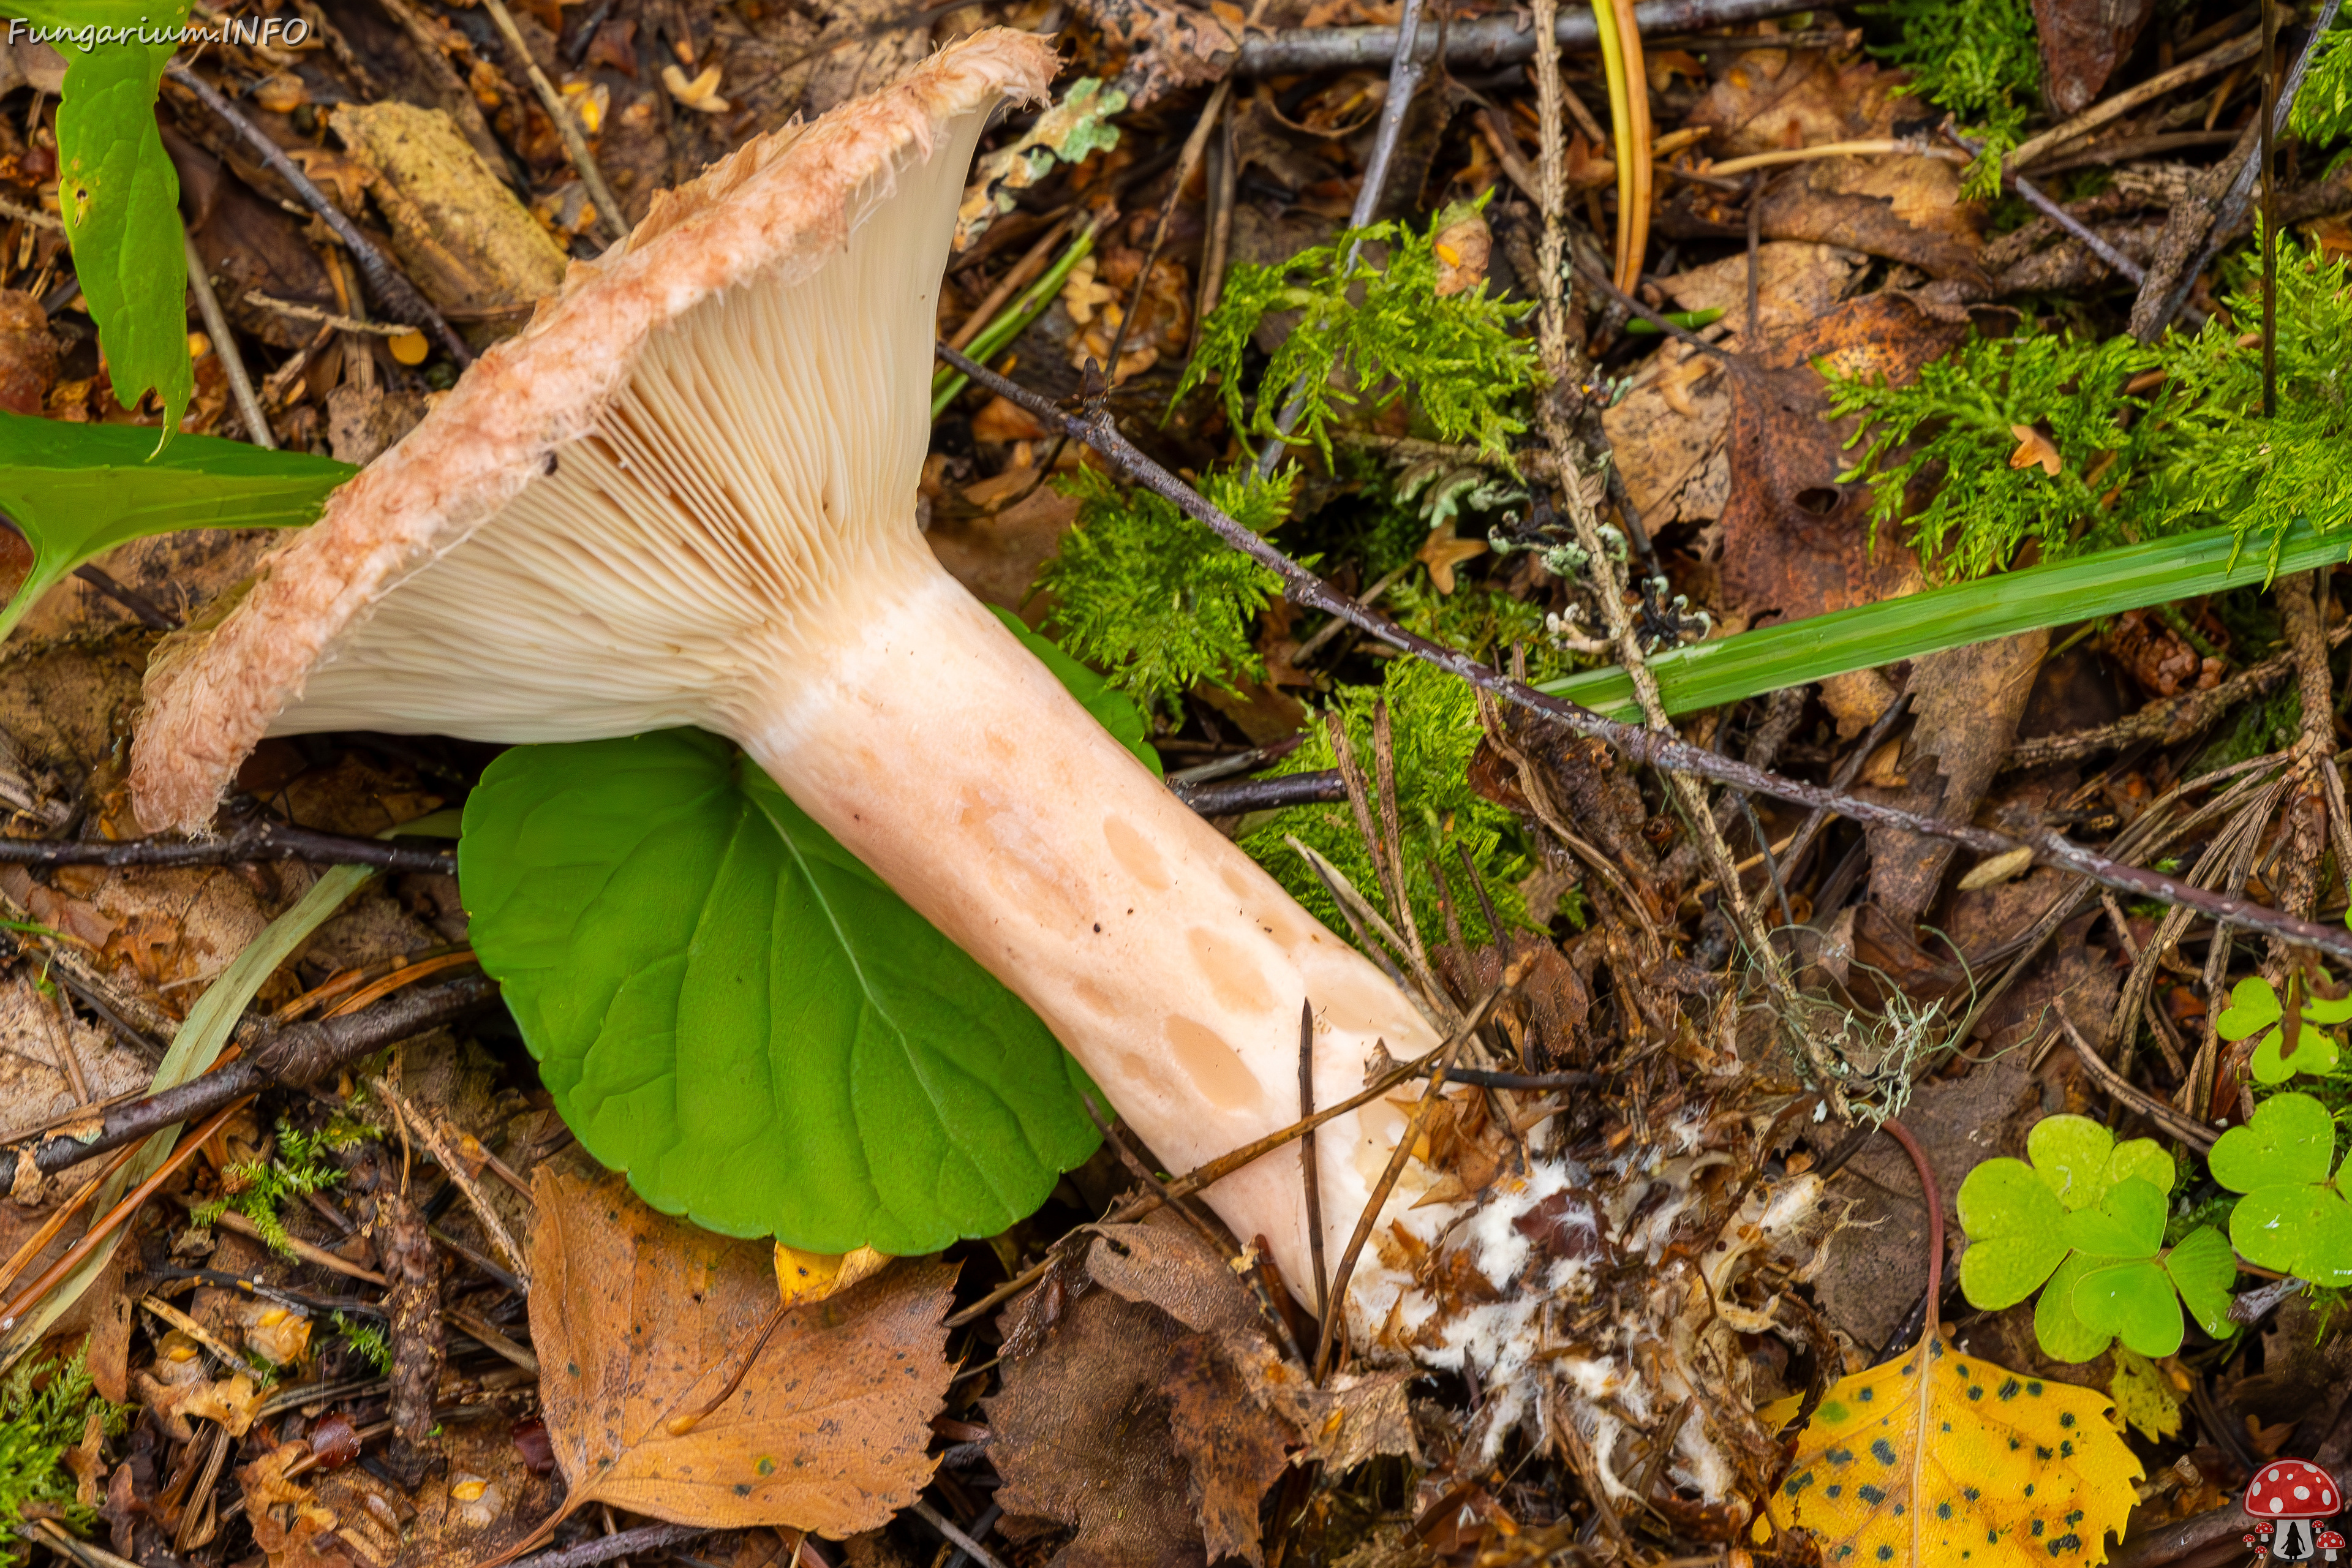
(2088,1216)
(2255,1007)
(2293,1217)
(2131,1300)
(727,1006)
(2015,1227)
(2126,1222)
(2290,1142)
(2081,1160)
(2203,1269)
(120,196)
(2063,1335)
(2315,1053)
(78,490)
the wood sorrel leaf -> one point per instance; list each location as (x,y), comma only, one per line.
(2128,1221)
(1991,1468)
(2063,1335)
(2081,1160)
(2202,1268)
(2131,1299)
(2016,1233)
(2291,1141)
(78,490)
(727,1006)
(2291,1218)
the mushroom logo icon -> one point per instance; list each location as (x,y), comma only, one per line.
(2291,1501)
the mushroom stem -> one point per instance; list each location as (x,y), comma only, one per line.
(946,757)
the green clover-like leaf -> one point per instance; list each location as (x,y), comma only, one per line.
(2315,1054)
(2293,1217)
(2064,1336)
(2080,1160)
(2131,1299)
(2202,1268)
(2255,1008)
(2290,1142)
(2128,1221)
(2253,1005)
(2015,1227)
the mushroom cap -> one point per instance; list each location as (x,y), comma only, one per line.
(2292,1489)
(771,216)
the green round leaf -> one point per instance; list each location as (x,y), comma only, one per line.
(2064,1336)
(729,1007)
(2202,1268)
(2290,1142)
(2315,1053)
(2301,1230)
(2146,1159)
(2131,1299)
(2128,1221)
(2070,1154)
(2014,1226)
(2252,1006)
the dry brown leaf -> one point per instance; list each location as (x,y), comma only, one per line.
(640,1320)
(1082,1438)
(2033,447)
(1442,553)
(1236,1453)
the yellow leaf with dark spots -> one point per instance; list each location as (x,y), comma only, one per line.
(1993,1469)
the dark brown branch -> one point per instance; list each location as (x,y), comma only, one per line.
(1262,794)
(644,1541)
(392,289)
(253,842)
(1647,747)
(1482,43)
(299,1053)
(2166,289)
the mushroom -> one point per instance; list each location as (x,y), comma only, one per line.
(686,495)
(2290,1497)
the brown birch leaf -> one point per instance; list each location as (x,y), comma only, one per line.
(641,1319)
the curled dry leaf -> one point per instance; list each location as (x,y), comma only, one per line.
(2033,447)
(640,1320)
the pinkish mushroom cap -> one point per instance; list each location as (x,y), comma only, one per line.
(669,315)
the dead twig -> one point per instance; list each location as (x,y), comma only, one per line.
(429,1133)
(240,384)
(250,843)
(397,294)
(1645,747)
(301,1053)
(567,125)
(1481,43)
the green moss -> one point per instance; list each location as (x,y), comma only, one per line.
(45,1408)
(1434,723)
(255,1188)
(1152,598)
(1977,58)
(1455,353)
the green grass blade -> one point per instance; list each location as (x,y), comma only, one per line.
(1708,674)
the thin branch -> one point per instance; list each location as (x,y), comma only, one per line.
(297,1053)
(250,843)
(1481,43)
(1405,71)
(567,126)
(240,384)
(642,1540)
(1645,747)
(396,293)
(2042,203)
